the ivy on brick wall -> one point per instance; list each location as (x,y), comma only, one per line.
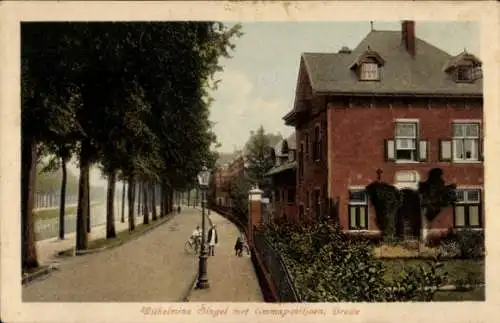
(386,200)
(435,194)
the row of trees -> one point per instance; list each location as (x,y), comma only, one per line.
(130,97)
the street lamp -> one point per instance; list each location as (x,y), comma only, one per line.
(203,180)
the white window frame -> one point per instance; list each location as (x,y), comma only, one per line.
(476,151)
(363,204)
(370,72)
(465,203)
(414,149)
(467,71)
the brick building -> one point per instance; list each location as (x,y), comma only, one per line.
(224,176)
(283,179)
(394,106)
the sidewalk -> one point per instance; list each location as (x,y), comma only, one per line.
(47,248)
(231,278)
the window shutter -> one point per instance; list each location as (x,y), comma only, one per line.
(481,149)
(445,150)
(423,150)
(389,150)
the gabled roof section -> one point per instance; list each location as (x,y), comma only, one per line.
(402,73)
(462,59)
(367,57)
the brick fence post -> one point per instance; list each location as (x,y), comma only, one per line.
(254,211)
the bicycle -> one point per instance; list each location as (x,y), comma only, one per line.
(192,246)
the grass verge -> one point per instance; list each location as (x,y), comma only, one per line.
(46,214)
(458,270)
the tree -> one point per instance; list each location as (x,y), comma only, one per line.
(239,197)
(258,155)
(435,195)
(44,117)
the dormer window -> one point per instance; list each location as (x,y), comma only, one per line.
(464,68)
(367,66)
(464,74)
(369,72)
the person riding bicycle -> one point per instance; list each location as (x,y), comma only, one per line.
(196,236)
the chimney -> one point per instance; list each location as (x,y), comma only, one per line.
(408,31)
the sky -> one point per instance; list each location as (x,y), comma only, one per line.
(258,82)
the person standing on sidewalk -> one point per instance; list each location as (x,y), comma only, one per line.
(212,240)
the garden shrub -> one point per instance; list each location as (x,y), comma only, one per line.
(327,266)
(464,243)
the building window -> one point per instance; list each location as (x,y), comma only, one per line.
(467,210)
(316,144)
(291,195)
(406,141)
(358,210)
(466,141)
(465,74)
(369,72)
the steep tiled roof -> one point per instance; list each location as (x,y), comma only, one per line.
(401,74)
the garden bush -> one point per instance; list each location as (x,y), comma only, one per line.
(327,266)
(464,243)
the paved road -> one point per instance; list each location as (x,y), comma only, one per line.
(152,268)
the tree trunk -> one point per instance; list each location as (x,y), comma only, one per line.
(167,207)
(145,203)
(139,199)
(82,214)
(110,209)
(153,198)
(131,200)
(28,178)
(188,197)
(62,201)
(123,201)
(89,225)
(163,209)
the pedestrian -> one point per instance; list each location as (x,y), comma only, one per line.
(238,247)
(212,240)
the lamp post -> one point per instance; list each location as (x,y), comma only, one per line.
(203,179)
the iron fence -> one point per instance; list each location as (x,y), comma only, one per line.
(277,268)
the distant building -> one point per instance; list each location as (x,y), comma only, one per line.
(283,179)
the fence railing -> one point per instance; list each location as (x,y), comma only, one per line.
(277,269)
